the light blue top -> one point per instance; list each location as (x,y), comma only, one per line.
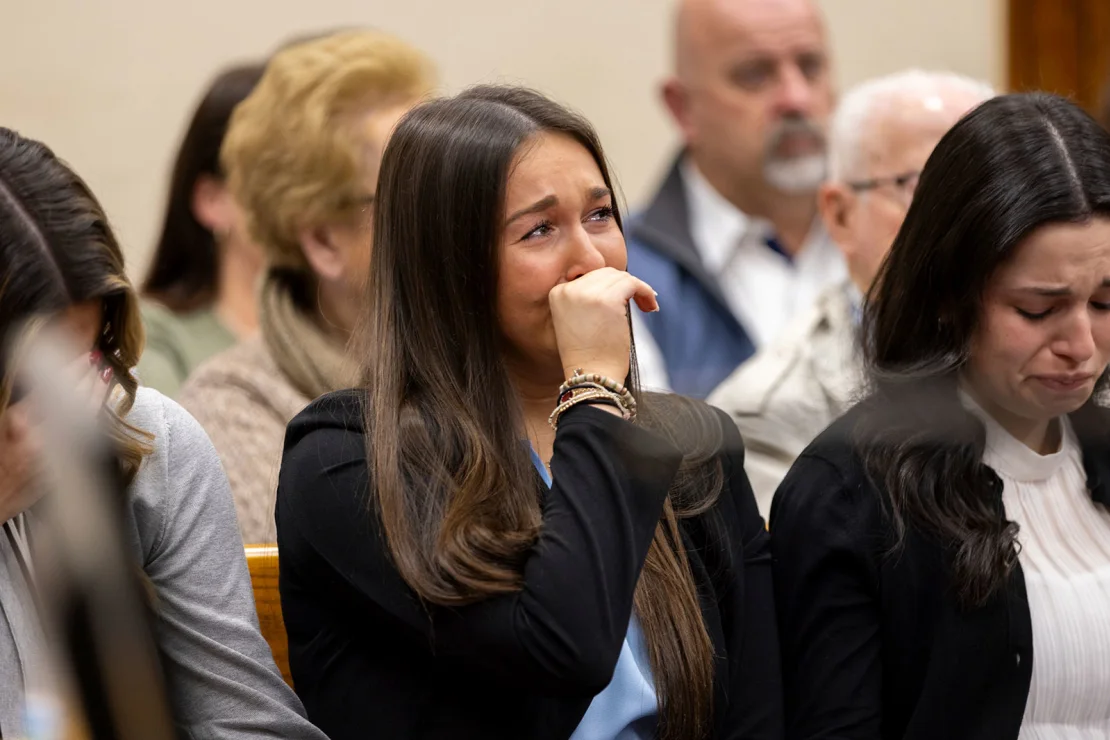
(626,709)
(855,303)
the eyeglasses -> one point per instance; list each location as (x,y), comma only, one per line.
(904,184)
(362,202)
(360,207)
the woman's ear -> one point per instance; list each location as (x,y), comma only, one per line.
(322,252)
(212,205)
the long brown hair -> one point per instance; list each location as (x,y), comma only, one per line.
(184,272)
(56,250)
(456,496)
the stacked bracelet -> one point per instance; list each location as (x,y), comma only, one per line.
(593,388)
(575,396)
(593,379)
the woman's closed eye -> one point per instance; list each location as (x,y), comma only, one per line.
(1035,315)
(1101,306)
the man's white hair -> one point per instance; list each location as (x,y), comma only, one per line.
(853,119)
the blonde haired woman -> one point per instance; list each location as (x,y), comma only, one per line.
(302,156)
(59,261)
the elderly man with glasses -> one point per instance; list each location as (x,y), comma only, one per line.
(880,137)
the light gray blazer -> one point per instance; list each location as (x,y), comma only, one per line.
(789,391)
(181,528)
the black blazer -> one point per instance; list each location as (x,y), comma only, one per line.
(369,660)
(874,645)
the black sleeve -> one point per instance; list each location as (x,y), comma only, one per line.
(747,609)
(563,631)
(824,534)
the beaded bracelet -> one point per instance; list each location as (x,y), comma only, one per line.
(589,395)
(566,394)
(628,401)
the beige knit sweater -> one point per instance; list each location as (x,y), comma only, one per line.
(245,396)
(243,400)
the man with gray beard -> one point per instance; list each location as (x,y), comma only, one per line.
(731,242)
(880,136)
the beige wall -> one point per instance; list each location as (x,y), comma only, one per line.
(109,83)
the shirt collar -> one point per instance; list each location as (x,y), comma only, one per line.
(716,225)
(719,228)
(1012,458)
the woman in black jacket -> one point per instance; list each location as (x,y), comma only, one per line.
(942,552)
(498,536)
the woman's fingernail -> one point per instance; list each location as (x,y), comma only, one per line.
(95,357)
(106,374)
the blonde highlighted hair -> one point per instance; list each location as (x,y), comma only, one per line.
(295,152)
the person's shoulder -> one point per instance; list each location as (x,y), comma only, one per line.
(838,446)
(647,250)
(161,416)
(342,411)
(156,317)
(716,504)
(177,441)
(762,380)
(246,371)
(165,334)
(163,324)
(323,464)
(706,437)
(1091,425)
(695,427)
(662,218)
(778,377)
(830,477)
(329,431)
(248,359)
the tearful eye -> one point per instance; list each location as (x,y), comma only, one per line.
(543,228)
(602,214)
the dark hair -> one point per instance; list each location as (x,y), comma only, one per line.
(57,250)
(185,268)
(457,499)
(1015,163)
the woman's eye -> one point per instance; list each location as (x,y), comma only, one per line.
(602,214)
(1100,306)
(1035,315)
(541,229)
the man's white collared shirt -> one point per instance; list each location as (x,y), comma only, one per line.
(764,288)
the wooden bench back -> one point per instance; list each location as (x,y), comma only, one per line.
(263,563)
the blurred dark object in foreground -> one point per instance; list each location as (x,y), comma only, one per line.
(98,623)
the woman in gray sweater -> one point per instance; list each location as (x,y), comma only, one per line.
(60,263)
